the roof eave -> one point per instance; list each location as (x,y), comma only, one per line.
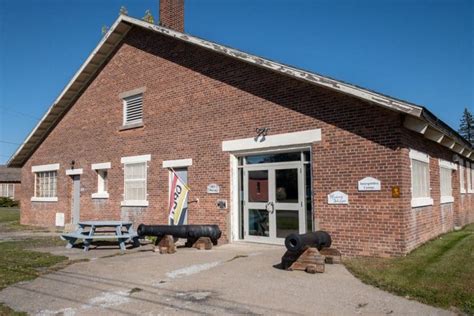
(121,27)
(70,92)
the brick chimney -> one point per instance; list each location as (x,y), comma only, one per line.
(172,14)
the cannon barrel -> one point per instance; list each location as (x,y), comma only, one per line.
(191,232)
(319,239)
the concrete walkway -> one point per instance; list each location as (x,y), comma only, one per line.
(230,279)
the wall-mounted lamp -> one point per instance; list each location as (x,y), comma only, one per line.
(72,164)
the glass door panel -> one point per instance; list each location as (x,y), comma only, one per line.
(259,224)
(258,186)
(287,222)
(286,190)
(256,200)
(289,196)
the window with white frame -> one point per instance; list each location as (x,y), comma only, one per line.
(102,180)
(470,184)
(420,179)
(46,183)
(135,180)
(7,190)
(472,177)
(445,179)
(461,177)
(133,109)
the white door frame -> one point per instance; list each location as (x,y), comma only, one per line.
(275,205)
(235,226)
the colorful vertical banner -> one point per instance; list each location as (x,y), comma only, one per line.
(178,193)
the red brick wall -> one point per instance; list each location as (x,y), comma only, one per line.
(194,100)
(425,223)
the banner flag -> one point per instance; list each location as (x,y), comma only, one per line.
(178,193)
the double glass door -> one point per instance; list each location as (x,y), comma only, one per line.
(273,201)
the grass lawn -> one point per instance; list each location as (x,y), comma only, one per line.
(17,263)
(9,215)
(439,273)
(10,219)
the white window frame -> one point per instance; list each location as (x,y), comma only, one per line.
(133,160)
(100,168)
(45,168)
(470,179)
(422,157)
(443,164)
(5,187)
(462,184)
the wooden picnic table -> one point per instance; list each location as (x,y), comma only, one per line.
(87,231)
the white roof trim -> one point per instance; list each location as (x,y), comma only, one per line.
(120,28)
(313,78)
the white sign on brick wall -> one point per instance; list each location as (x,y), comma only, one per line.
(338,197)
(369,184)
(213,188)
(60,219)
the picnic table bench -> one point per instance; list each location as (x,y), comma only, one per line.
(117,232)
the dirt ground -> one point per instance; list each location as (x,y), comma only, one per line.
(230,279)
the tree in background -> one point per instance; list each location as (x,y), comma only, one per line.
(466,126)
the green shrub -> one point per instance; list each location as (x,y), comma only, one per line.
(8,202)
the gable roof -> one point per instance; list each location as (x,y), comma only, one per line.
(418,118)
(11,175)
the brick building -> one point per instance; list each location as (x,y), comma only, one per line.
(10,182)
(266,148)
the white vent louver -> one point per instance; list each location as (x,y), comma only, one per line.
(133,112)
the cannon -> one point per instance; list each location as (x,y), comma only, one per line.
(297,243)
(191,232)
(301,255)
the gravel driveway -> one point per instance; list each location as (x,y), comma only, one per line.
(230,279)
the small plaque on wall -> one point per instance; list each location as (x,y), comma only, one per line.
(213,188)
(369,184)
(338,197)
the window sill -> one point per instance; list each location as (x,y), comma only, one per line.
(44,199)
(447,199)
(423,201)
(131,126)
(470,191)
(101,195)
(134,203)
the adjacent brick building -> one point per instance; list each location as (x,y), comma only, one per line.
(10,182)
(266,149)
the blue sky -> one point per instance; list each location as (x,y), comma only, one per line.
(421,51)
